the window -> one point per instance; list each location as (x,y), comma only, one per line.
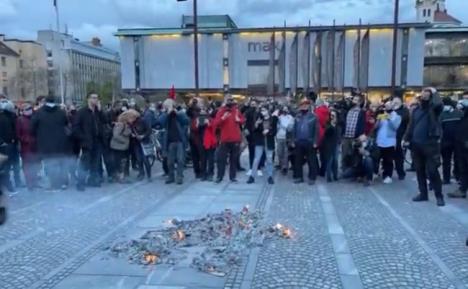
(429,12)
(3,61)
(21,63)
(49,53)
(424,12)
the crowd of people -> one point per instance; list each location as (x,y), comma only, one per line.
(352,139)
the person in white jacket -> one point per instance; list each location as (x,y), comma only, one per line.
(285,126)
(387,126)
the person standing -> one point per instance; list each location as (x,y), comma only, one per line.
(330,144)
(404,114)
(423,136)
(8,141)
(461,145)
(283,135)
(88,129)
(264,138)
(228,120)
(354,127)
(305,140)
(49,127)
(175,140)
(387,126)
(210,144)
(28,146)
(450,119)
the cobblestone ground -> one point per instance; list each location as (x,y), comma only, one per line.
(305,261)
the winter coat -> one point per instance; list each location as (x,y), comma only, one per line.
(88,127)
(269,139)
(461,137)
(434,109)
(24,134)
(229,127)
(450,122)
(404,113)
(7,127)
(120,137)
(209,137)
(48,126)
(182,122)
(331,139)
(387,130)
(140,127)
(312,126)
(323,115)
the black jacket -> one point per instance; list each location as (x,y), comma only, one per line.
(461,137)
(48,126)
(259,138)
(450,121)
(404,113)
(331,139)
(7,127)
(434,108)
(88,127)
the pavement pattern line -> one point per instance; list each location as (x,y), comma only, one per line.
(349,273)
(385,253)
(432,254)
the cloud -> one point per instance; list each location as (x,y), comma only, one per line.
(7,10)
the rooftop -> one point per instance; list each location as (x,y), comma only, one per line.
(209,21)
(444,17)
(5,50)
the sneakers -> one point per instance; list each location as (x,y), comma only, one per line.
(218,180)
(251,180)
(457,195)
(169,181)
(298,181)
(260,173)
(271,181)
(388,180)
(249,173)
(311,182)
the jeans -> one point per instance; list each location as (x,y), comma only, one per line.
(175,153)
(251,147)
(259,151)
(198,158)
(346,151)
(282,152)
(387,155)
(426,158)
(332,166)
(142,161)
(90,163)
(365,168)
(208,164)
(225,149)
(307,151)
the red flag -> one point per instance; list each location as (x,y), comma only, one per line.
(172,93)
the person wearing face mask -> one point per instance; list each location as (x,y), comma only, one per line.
(48,126)
(423,136)
(264,138)
(404,114)
(461,146)
(28,146)
(283,136)
(387,126)
(450,118)
(251,115)
(305,140)
(228,120)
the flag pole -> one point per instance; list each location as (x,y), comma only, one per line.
(62,96)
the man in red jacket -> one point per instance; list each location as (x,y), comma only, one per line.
(229,120)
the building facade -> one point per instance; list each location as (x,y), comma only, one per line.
(84,66)
(8,69)
(272,61)
(31,78)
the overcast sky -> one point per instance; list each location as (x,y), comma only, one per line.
(88,18)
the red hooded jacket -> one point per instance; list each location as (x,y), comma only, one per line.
(209,139)
(323,114)
(229,127)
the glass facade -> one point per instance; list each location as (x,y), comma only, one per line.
(452,46)
(449,76)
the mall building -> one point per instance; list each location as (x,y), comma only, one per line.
(280,61)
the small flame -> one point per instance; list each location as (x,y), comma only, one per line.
(179,235)
(151,258)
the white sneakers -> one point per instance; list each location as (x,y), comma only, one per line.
(249,173)
(388,180)
(259,173)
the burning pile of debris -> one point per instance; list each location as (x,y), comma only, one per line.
(221,239)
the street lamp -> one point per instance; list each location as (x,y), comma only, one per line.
(195,43)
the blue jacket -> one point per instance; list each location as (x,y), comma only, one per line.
(387,130)
(182,128)
(312,127)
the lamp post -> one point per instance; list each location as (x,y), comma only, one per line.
(195,44)
(395,43)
